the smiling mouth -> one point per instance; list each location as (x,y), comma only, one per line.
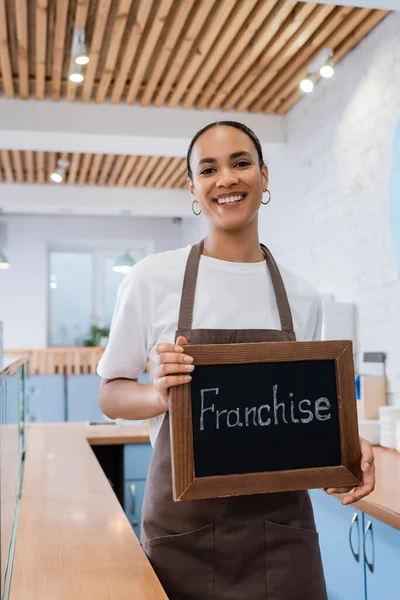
(228,200)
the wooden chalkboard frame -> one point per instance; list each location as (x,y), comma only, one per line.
(187,487)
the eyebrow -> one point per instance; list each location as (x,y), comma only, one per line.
(231,156)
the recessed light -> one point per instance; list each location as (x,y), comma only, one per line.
(56,177)
(307,84)
(327,71)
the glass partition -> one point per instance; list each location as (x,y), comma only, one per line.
(12,450)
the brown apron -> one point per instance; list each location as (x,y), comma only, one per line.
(260,547)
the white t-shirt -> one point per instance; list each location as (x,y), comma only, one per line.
(229,295)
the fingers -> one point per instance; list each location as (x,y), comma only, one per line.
(340,490)
(164,383)
(174,366)
(357,493)
(174,357)
(173,362)
(367,455)
(367,486)
(164,347)
(170,365)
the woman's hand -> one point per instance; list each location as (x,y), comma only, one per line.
(368,483)
(173,368)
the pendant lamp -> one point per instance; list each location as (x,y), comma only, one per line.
(123,263)
(4,264)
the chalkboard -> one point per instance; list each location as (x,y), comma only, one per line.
(251,418)
(264,417)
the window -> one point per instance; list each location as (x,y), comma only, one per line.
(82,292)
(70,301)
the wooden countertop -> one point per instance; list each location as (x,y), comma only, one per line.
(384,502)
(105,435)
(74,541)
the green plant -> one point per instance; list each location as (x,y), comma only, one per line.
(96,333)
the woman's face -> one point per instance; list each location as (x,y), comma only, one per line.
(227,181)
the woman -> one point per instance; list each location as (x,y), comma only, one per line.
(243,548)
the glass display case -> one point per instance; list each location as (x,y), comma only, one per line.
(12,452)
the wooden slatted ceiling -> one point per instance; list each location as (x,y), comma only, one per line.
(26,166)
(243,55)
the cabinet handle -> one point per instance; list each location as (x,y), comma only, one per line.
(355,521)
(133,494)
(371,564)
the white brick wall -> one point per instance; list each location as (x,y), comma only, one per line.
(329,221)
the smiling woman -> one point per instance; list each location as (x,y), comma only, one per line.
(242,172)
(226,289)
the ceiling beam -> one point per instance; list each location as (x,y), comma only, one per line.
(379,4)
(109,129)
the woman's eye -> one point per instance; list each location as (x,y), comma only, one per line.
(210,170)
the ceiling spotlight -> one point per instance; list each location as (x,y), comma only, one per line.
(4,264)
(124,263)
(82,60)
(79,51)
(327,70)
(58,175)
(307,84)
(76,74)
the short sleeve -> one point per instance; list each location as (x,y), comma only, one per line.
(126,351)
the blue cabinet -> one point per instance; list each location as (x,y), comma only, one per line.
(136,462)
(83,398)
(9,403)
(45,398)
(382,560)
(340,531)
(54,398)
(361,555)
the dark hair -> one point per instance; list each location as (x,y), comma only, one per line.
(234,124)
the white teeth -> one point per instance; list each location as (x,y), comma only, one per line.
(230,199)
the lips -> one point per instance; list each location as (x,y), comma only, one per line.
(229,198)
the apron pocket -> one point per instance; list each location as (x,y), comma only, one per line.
(184,563)
(293,564)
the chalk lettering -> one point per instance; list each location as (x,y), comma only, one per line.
(261,422)
(234,412)
(310,415)
(280,411)
(219,413)
(247,411)
(294,420)
(203,410)
(278,405)
(322,404)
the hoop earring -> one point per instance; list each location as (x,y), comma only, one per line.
(193,211)
(269,198)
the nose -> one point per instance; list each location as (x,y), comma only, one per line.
(227,177)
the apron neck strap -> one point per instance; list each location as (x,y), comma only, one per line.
(190,281)
(285,313)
